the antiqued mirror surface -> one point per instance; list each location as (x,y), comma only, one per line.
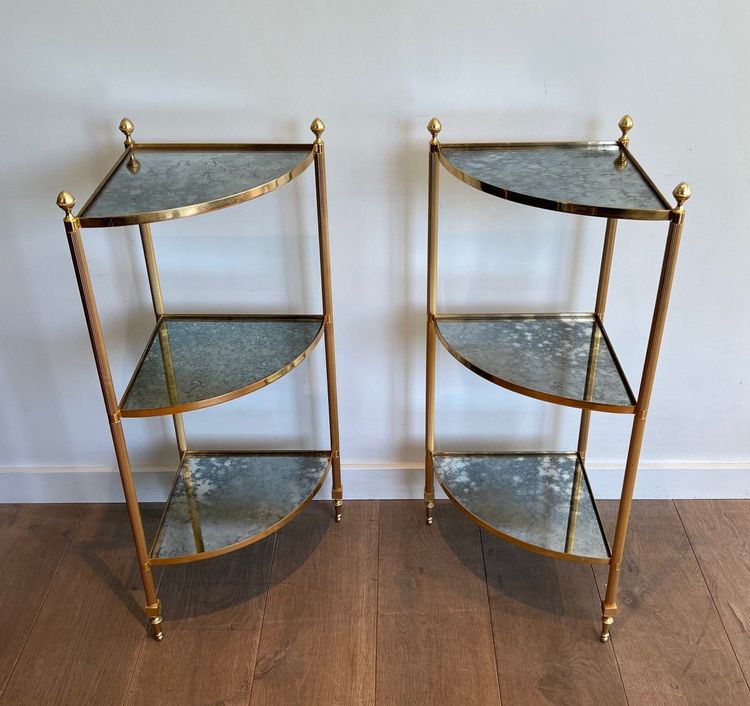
(593,175)
(566,357)
(224,499)
(541,500)
(161,180)
(196,359)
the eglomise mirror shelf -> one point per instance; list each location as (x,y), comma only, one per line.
(543,501)
(221,500)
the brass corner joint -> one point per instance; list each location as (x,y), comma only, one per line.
(434,127)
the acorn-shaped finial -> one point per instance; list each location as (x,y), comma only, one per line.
(126,128)
(682,193)
(625,125)
(318,127)
(434,126)
(66,202)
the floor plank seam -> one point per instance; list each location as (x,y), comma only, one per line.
(489,609)
(42,602)
(263,617)
(377,610)
(611,641)
(710,593)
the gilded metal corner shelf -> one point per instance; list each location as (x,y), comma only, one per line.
(191,362)
(562,358)
(541,502)
(159,182)
(560,176)
(544,502)
(221,501)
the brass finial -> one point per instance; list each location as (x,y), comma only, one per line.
(625,124)
(434,127)
(318,127)
(66,202)
(682,193)
(126,128)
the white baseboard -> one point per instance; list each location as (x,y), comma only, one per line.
(371,482)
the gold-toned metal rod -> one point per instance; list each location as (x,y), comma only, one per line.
(157,299)
(609,605)
(602,289)
(321,196)
(72,228)
(434,128)
(575,501)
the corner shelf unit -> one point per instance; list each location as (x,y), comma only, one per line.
(543,502)
(220,500)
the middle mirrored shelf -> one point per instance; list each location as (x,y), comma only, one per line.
(562,358)
(192,362)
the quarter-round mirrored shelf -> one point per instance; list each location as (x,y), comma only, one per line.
(587,178)
(192,362)
(158,182)
(224,500)
(566,359)
(541,502)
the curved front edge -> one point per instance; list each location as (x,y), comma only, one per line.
(521,496)
(600,370)
(217,493)
(653,208)
(180,371)
(160,182)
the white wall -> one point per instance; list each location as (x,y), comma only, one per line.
(375,73)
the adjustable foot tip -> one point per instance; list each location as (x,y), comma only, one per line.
(428,520)
(604,637)
(159,636)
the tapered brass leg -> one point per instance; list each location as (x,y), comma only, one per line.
(153,612)
(607,621)
(321,196)
(432,252)
(429,506)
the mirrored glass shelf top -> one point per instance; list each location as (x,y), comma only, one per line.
(198,361)
(588,178)
(159,182)
(224,500)
(542,502)
(562,358)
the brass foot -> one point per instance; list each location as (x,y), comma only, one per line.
(606,624)
(155,624)
(428,507)
(337,503)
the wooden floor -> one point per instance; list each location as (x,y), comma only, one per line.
(378,609)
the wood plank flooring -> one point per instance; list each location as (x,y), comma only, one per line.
(378,609)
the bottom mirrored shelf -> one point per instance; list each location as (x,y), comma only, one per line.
(222,501)
(542,502)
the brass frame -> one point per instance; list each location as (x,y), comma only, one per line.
(675,215)
(73,225)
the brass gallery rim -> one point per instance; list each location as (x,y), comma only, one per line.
(201,207)
(536,549)
(227,396)
(200,556)
(551,204)
(530,392)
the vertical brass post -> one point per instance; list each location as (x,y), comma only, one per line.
(321,194)
(609,604)
(434,128)
(158,303)
(601,304)
(72,228)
